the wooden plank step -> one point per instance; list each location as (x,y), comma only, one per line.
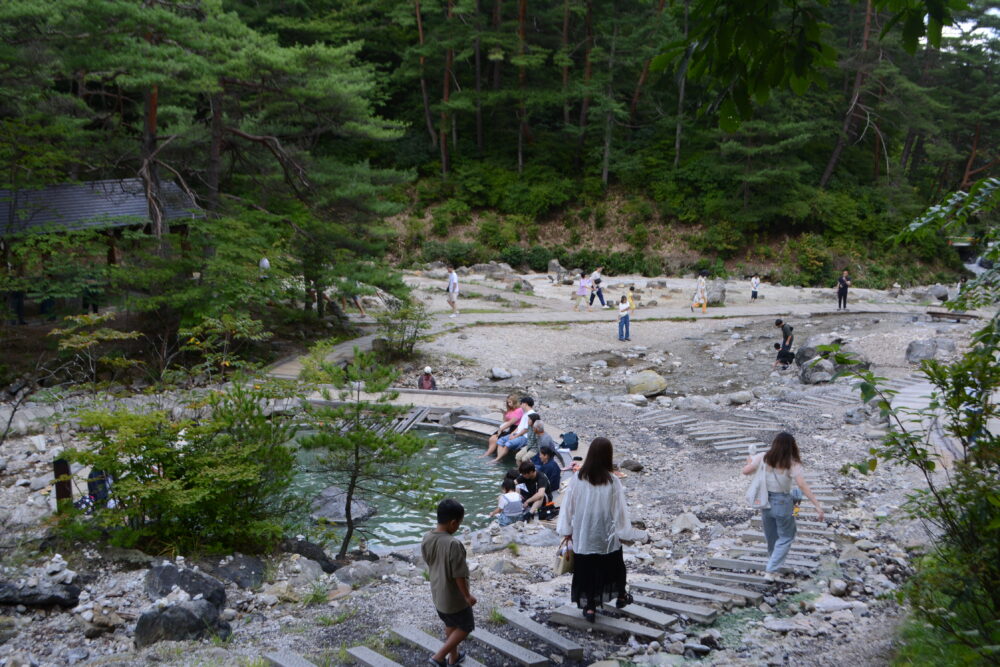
(745,579)
(651,415)
(508,648)
(753,536)
(572,617)
(799,522)
(421,639)
(724,600)
(789,562)
(636,611)
(795,554)
(733,564)
(522,621)
(696,612)
(748,595)
(365,656)
(285,658)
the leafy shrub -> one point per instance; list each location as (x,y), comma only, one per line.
(455,252)
(637,211)
(600,216)
(400,327)
(537,258)
(535,192)
(496,233)
(451,214)
(638,238)
(723,239)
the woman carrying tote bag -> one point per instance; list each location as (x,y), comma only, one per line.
(781,465)
(594,517)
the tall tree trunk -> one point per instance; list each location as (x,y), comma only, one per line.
(681,87)
(644,74)
(428,118)
(522,75)
(479,82)
(214,171)
(445,97)
(149,170)
(908,143)
(497,23)
(587,71)
(609,117)
(565,68)
(848,124)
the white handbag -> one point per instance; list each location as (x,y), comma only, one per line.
(757,498)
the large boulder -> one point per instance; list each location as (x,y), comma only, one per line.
(331,505)
(498,373)
(556,270)
(717,293)
(310,550)
(192,619)
(42,594)
(919,350)
(647,383)
(247,572)
(938,291)
(810,350)
(817,370)
(161,579)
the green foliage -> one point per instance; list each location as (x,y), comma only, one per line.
(90,347)
(358,448)
(722,239)
(453,213)
(214,484)
(535,192)
(401,327)
(218,340)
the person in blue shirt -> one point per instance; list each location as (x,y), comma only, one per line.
(545,461)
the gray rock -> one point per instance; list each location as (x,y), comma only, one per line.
(331,505)
(356,573)
(599,363)
(634,399)
(717,293)
(686,521)
(543,538)
(629,464)
(565,379)
(311,551)
(468,383)
(827,604)
(740,397)
(42,594)
(782,625)
(865,545)
(505,567)
(161,579)
(499,373)
(308,571)
(919,350)
(39,483)
(817,370)
(8,628)
(247,572)
(696,648)
(193,619)
(555,269)
(855,416)
(75,655)
(838,587)
(699,403)
(938,291)
(945,345)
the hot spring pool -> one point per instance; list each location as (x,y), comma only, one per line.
(459,472)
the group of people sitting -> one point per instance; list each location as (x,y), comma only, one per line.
(528,490)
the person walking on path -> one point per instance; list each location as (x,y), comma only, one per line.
(594,521)
(843,282)
(754,286)
(448,572)
(782,466)
(623,319)
(700,294)
(630,294)
(595,287)
(786,335)
(582,291)
(453,291)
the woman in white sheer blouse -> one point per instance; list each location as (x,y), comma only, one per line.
(594,518)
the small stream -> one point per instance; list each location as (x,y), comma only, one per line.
(459,472)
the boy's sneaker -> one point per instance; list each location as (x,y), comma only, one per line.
(439,663)
(461,659)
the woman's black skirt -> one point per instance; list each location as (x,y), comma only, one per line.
(597,578)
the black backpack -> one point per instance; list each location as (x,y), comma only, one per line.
(570,441)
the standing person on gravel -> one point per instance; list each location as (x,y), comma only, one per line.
(453,291)
(786,335)
(782,466)
(843,282)
(448,572)
(700,294)
(582,291)
(595,287)
(594,520)
(624,332)
(754,286)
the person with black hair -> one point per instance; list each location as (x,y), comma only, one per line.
(449,576)
(535,488)
(548,464)
(782,466)
(594,520)
(785,357)
(786,334)
(510,506)
(595,287)
(843,282)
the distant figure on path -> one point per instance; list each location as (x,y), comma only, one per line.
(448,572)
(786,334)
(843,282)
(595,287)
(582,291)
(426,381)
(782,465)
(623,319)
(785,357)
(453,291)
(700,294)
(754,286)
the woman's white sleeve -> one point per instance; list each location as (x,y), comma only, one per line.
(619,514)
(565,525)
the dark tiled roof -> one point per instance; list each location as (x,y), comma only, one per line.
(100,204)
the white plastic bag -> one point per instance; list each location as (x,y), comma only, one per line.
(757,492)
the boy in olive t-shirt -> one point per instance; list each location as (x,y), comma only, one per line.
(449,576)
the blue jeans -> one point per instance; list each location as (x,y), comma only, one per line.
(779,528)
(513,444)
(506,519)
(623,328)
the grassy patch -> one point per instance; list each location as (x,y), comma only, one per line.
(317,595)
(733,624)
(922,644)
(495,617)
(329,621)
(514,549)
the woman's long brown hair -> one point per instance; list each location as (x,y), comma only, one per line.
(507,404)
(596,468)
(783,453)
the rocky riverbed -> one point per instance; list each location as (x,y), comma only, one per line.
(121,607)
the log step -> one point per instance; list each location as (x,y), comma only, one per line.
(421,639)
(572,617)
(508,648)
(694,611)
(724,600)
(284,658)
(748,595)
(800,556)
(645,614)
(365,656)
(789,562)
(754,536)
(522,621)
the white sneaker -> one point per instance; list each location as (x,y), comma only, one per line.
(605,306)
(770,576)
(453,315)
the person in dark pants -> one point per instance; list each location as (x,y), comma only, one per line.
(843,282)
(786,335)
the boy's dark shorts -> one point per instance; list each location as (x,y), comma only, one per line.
(463,620)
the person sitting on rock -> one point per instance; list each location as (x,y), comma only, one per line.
(510,507)
(785,357)
(547,463)
(535,488)
(536,429)
(511,418)
(426,381)
(519,438)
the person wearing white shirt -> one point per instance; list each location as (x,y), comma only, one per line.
(595,287)
(453,291)
(700,294)
(519,437)
(594,521)
(623,319)
(754,286)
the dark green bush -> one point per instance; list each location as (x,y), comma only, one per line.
(535,192)
(453,213)
(722,239)
(455,252)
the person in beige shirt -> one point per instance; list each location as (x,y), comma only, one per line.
(449,575)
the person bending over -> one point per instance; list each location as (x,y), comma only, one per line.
(534,486)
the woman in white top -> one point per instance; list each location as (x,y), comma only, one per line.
(782,465)
(624,309)
(594,519)
(700,294)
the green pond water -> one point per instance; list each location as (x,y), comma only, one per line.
(459,472)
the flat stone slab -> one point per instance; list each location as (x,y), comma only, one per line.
(724,600)
(522,621)
(794,554)
(789,562)
(573,617)
(695,611)
(287,659)
(421,639)
(365,656)
(754,536)
(508,648)
(644,614)
(717,586)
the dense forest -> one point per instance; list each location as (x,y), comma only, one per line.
(646,135)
